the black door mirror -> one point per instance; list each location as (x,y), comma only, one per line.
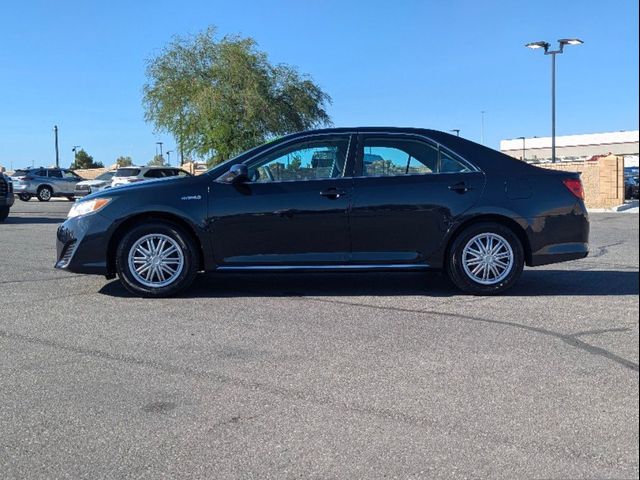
(238,173)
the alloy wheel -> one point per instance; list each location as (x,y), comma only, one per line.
(487,258)
(156,260)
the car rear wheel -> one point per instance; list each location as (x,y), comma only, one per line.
(156,260)
(25,197)
(45,193)
(4,213)
(486,259)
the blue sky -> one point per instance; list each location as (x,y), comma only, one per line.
(436,64)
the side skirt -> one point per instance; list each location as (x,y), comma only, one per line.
(324,268)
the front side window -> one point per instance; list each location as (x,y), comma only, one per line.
(394,157)
(311,160)
(68,174)
(55,174)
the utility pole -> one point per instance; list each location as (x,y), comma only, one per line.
(55,132)
(482,112)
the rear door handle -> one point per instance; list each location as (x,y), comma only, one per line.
(460,187)
(333,193)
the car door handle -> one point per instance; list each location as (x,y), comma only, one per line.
(333,193)
(460,187)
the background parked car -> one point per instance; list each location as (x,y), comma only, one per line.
(126,175)
(98,184)
(6,196)
(44,183)
(631,190)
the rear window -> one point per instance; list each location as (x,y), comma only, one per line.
(127,172)
(20,173)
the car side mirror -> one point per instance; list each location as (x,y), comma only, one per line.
(238,173)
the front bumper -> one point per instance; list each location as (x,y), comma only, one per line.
(82,244)
(7,201)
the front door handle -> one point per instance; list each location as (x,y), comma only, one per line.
(333,193)
(460,187)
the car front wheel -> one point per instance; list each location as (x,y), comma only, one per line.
(156,260)
(486,259)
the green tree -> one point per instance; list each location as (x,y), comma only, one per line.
(220,96)
(84,160)
(157,161)
(124,161)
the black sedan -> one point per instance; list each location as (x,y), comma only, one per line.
(335,199)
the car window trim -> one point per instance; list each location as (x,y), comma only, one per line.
(349,165)
(359,163)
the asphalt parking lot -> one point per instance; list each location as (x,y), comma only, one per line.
(318,376)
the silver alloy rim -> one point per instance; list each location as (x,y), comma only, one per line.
(487,258)
(45,194)
(156,260)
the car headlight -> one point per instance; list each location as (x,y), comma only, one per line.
(88,206)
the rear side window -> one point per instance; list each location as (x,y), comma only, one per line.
(55,174)
(395,156)
(127,172)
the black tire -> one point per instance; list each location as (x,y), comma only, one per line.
(44,193)
(25,197)
(4,213)
(71,198)
(181,238)
(464,281)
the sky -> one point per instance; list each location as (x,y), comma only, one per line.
(80,65)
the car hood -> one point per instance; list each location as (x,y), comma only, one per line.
(92,182)
(160,184)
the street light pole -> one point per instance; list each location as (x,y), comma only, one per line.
(55,132)
(553,53)
(482,127)
(457,131)
(169,157)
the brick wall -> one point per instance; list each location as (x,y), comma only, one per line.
(603,179)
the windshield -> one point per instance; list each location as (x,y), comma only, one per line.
(127,172)
(105,176)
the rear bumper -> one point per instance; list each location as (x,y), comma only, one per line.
(563,252)
(559,238)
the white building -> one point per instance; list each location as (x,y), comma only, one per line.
(572,147)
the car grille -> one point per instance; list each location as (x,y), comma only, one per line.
(85,188)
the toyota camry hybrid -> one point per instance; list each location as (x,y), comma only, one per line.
(335,199)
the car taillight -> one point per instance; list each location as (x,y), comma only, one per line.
(575,186)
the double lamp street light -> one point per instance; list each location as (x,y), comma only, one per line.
(553,53)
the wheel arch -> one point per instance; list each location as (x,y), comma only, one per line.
(145,217)
(508,222)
